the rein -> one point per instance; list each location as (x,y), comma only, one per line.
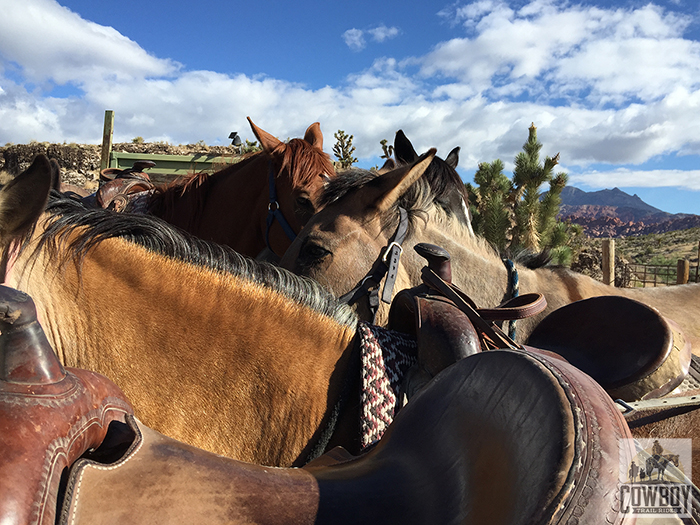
(274,212)
(387,264)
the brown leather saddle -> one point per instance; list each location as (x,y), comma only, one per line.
(119,187)
(629,348)
(503,437)
(49,416)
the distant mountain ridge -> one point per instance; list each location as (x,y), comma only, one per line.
(614,213)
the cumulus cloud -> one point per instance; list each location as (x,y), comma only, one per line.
(613,86)
(356,39)
(50,42)
(572,53)
(624,177)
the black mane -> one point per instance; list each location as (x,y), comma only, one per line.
(156,235)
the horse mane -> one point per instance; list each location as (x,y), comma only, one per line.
(78,229)
(164,197)
(303,161)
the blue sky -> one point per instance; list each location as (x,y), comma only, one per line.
(613,87)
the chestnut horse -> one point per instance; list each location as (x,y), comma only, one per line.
(260,202)
(227,354)
(360,215)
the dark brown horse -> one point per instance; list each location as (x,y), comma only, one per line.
(218,350)
(258,203)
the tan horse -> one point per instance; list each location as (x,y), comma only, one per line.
(212,348)
(360,214)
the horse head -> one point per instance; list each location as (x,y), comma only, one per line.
(302,168)
(359,215)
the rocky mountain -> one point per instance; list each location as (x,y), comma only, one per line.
(614,213)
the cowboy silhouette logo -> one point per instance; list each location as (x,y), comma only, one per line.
(656,482)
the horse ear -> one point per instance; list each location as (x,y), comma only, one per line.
(314,136)
(403,149)
(393,184)
(389,165)
(453,158)
(23,199)
(267,141)
(55,175)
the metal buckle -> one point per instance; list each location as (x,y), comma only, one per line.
(386,253)
(624,407)
(273,206)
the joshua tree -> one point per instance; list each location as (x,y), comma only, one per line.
(343,149)
(516,215)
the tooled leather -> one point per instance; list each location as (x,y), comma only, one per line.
(594,485)
(48,427)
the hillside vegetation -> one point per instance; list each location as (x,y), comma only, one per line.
(655,248)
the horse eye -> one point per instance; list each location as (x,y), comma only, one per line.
(304,203)
(313,253)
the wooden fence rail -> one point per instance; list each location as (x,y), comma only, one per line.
(167,166)
(648,275)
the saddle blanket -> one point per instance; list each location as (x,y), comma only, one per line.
(386,356)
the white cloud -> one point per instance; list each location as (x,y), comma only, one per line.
(382,33)
(621,177)
(51,42)
(608,56)
(355,39)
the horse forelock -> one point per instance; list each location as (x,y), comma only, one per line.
(71,231)
(304,162)
(424,198)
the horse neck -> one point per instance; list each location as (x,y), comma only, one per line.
(195,350)
(202,209)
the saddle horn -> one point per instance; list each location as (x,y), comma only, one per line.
(26,357)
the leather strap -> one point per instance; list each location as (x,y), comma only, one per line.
(520,307)
(387,265)
(663,402)
(492,337)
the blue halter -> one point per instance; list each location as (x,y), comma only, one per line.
(274,212)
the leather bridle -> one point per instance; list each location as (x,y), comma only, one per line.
(386,265)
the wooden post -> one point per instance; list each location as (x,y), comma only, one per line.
(107,139)
(682,271)
(697,268)
(609,262)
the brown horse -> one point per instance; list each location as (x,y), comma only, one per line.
(223,352)
(260,202)
(360,218)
